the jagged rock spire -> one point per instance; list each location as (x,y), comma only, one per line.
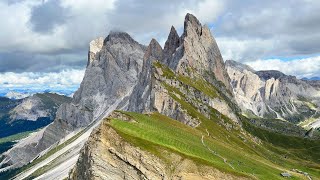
(191,22)
(155,50)
(199,50)
(172,42)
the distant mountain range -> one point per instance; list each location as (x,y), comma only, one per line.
(272,94)
(21,116)
(312,79)
(23,93)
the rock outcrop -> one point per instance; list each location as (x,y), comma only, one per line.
(272,94)
(112,71)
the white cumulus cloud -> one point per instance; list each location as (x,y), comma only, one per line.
(305,67)
(60,80)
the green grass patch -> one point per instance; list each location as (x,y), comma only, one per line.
(155,132)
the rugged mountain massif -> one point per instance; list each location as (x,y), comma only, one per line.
(272,94)
(169,113)
(187,81)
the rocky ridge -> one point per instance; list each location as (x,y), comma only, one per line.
(272,94)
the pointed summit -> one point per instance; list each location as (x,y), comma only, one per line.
(119,37)
(155,50)
(191,22)
(172,42)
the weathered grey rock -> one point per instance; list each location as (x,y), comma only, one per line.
(140,99)
(172,43)
(111,74)
(114,71)
(37,106)
(95,47)
(272,94)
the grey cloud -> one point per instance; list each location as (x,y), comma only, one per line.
(28,62)
(146,19)
(9,2)
(46,16)
(291,26)
(245,30)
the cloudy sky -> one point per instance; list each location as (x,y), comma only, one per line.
(45,41)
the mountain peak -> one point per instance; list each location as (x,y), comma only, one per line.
(172,42)
(154,49)
(191,22)
(118,36)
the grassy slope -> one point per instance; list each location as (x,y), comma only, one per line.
(242,155)
(151,132)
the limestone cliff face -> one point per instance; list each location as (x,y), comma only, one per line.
(107,155)
(194,55)
(113,67)
(273,94)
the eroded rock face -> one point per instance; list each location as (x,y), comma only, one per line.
(113,67)
(272,94)
(107,155)
(172,43)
